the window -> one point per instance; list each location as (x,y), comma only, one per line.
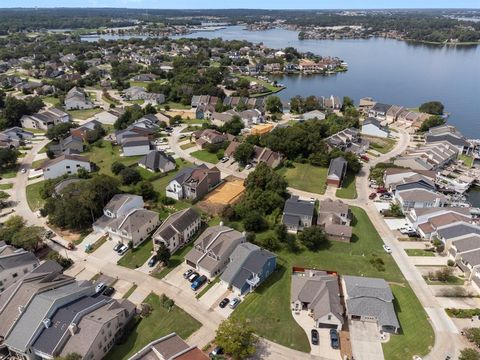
(68,166)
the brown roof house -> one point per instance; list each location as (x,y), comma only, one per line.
(193,183)
(211,252)
(335,217)
(336,171)
(317,294)
(208,137)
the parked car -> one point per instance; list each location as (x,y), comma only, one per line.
(234,303)
(385,197)
(315,337)
(117,246)
(187,273)
(100,287)
(224,303)
(372,196)
(217,351)
(108,291)
(381,190)
(387,249)
(365,158)
(183,136)
(193,276)
(225,159)
(406,230)
(334,341)
(123,250)
(24,171)
(197,284)
(153,260)
(248,167)
(49,234)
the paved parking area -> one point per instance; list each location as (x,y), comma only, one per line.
(175,278)
(121,287)
(365,341)
(395,224)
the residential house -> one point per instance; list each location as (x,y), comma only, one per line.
(335,217)
(135,227)
(193,183)
(337,171)
(347,140)
(157,161)
(14,263)
(76,99)
(82,130)
(71,144)
(212,250)
(332,103)
(298,214)
(136,93)
(372,127)
(14,137)
(177,230)
(66,164)
(45,119)
(108,117)
(169,347)
(370,300)
(136,145)
(393,113)
(117,208)
(365,104)
(431,156)
(428,229)
(249,266)
(209,137)
(314,114)
(220,119)
(450,134)
(264,155)
(419,198)
(392,177)
(450,232)
(379,111)
(318,293)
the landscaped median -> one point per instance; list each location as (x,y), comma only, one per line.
(268,309)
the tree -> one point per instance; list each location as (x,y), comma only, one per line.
(50,154)
(469,354)
(28,238)
(163,254)
(236,338)
(273,104)
(8,157)
(432,107)
(117,167)
(60,131)
(11,227)
(145,190)
(149,109)
(96,134)
(234,126)
(129,176)
(254,221)
(243,153)
(432,121)
(64,262)
(312,237)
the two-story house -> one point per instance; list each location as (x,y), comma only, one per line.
(193,183)
(117,208)
(134,227)
(298,214)
(67,164)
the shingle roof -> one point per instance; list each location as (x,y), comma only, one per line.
(295,206)
(155,160)
(467,244)
(471,257)
(118,200)
(17,259)
(458,229)
(61,158)
(336,167)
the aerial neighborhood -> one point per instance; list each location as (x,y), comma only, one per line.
(162,198)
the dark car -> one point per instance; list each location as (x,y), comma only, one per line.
(108,291)
(217,351)
(334,342)
(224,302)
(198,283)
(117,247)
(314,337)
(153,260)
(372,196)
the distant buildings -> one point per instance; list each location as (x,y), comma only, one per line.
(45,119)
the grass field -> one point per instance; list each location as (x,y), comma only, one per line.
(187,146)
(84,113)
(35,202)
(419,252)
(159,323)
(6,186)
(9,173)
(204,155)
(268,309)
(306,177)
(53,101)
(348,189)
(106,155)
(382,145)
(175,105)
(137,257)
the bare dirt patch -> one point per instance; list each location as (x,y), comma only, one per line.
(227,193)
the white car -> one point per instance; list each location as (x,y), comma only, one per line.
(234,303)
(99,288)
(249,166)
(123,250)
(23,171)
(387,249)
(406,230)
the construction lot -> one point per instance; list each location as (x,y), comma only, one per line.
(227,193)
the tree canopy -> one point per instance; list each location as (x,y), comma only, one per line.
(432,121)
(236,338)
(243,153)
(432,107)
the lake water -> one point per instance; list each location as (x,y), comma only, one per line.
(388,70)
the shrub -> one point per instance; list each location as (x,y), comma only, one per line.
(451,262)
(377,263)
(462,313)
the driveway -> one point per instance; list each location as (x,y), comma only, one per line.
(365,340)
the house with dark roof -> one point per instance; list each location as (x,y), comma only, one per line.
(209,137)
(379,111)
(249,266)
(157,161)
(82,130)
(136,145)
(193,183)
(317,293)
(370,299)
(71,144)
(177,230)
(67,164)
(337,171)
(372,127)
(451,135)
(298,214)
(212,250)
(44,119)
(14,263)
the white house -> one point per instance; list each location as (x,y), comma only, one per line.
(65,164)
(14,263)
(134,146)
(419,198)
(134,227)
(117,208)
(44,120)
(372,127)
(76,99)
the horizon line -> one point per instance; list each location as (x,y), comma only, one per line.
(234,8)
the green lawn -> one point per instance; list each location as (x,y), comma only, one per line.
(187,146)
(136,102)
(419,252)
(9,173)
(106,155)
(195,122)
(6,186)
(306,177)
(97,243)
(175,105)
(38,163)
(137,257)
(382,145)
(84,113)
(130,291)
(161,183)
(265,84)
(348,189)
(416,334)
(159,323)
(208,287)
(175,260)
(35,202)
(268,308)
(204,155)
(53,101)
(467,160)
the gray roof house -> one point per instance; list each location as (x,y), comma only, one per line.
(177,229)
(337,171)
(318,293)
(14,263)
(135,226)
(117,208)
(370,299)
(211,252)
(76,99)
(298,214)
(157,161)
(456,230)
(249,266)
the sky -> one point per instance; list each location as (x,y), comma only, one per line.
(246,4)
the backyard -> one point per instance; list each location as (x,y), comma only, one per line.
(106,154)
(268,309)
(160,322)
(348,189)
(306,177)
(84,114)
(34,200)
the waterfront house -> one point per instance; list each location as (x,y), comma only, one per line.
(419,198)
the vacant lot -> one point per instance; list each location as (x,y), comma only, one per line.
(306,177)
(35,202)
(348,189)
(226,193)
(84,114)
(382,145)
(206,156)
